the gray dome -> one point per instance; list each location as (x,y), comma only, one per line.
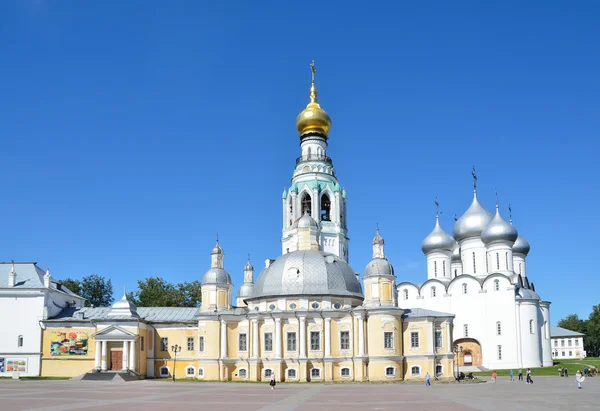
(306,221)
(378,239)
(308,272)
(472,222)
(246,290)
(248,266)
(438,239)
(527,293)
(217,249)
(379,266)
(521,246)
(216,276)
(499,230)
(456,254)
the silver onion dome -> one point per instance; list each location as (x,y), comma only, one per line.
(472,222)
(248,266)
(521,246)
(378,240)
(217,249)
(246,290)
(307,221)
(379,266)
(499,230)
(307,272)
(456,254)
(216,276)
(438,239)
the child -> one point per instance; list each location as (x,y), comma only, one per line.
(579,378)
(512,375)
(494,375)
(272,382)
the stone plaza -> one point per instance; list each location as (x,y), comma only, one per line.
(547,393)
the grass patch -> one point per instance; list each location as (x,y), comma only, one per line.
(571,364)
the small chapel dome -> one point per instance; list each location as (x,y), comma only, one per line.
(377,267)
(246,290)
(521,246)
(472,222)
(248,266)
(216,276)
(217,249)
(307,221)
(438,239)
(378,239)
(498,230)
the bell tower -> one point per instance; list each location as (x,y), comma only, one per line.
(315,189)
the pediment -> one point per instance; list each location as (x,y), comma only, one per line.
(114,332)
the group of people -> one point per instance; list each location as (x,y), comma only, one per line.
(520,375)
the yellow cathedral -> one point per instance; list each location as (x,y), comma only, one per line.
(306,318)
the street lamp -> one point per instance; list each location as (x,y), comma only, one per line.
(457,351)
(175,348)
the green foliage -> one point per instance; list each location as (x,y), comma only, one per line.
(96,289)
(589,327)
(156,292)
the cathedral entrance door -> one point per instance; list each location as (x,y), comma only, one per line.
(116,360)
(468,358)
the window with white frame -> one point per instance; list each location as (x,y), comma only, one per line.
(20,341)
(556,343)
(414,339)
(466,330)
(576,343)
(390,371)
(444,267)
(499,352)
(315,373)
(464,288)
(291,373)
(531,329)
(439,370)
(190,343)
(242,342)
(405,293)
(243,373)
(570,353)
(569,343)
(190,372)
(164,371)
(496,285)
(415,370)
(200,372)
(344,340)
(268,341)
(268,372)
(315,340)
(438,338)
(388,339)
(497,261)
(474,266)
(433,291)
(291,341)
(435,268)
(345,372)
(201,343)
(562,343)
(563,353)
(498,328)
(164,344)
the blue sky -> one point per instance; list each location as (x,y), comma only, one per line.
(131,133)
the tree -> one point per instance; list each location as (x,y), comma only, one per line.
(591,340)
(96,289)
(157,292)
(572,322)
(73,285)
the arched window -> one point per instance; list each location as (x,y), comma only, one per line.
(190,372)
(499,352)
(268,372)
(464,288)
(306,204)
(506,256)
(164,371)
(315,373)
(531,330)
(325,208)
(466,330)
(20,341)
(243,373)
(444,267)
(498,328)
(496,285)
(519,268)
(433,291)
(291,373)
(474,266)
(406,294)
(435,268)
(345,372)
(497,261)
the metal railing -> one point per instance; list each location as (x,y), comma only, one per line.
(313,157)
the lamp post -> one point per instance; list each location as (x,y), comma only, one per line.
(457,350)
(175,348)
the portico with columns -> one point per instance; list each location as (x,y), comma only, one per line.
(116,349)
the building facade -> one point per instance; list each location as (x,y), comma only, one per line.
(567,344)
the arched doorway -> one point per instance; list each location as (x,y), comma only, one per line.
(471,352)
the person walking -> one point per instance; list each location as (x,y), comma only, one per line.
(529,379)
(427,380)
(494,376)
(512,375)
(566,371)
(272,382)
(520,374)
(579,378)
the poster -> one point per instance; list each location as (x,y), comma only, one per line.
(69,343)
(13,364)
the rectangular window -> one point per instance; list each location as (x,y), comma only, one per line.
(499,352)
(201,343)
(576,343)
(141,343)
(345,340)
(315,372)
(562,343)
(438,338)
(190,343)
(556,343)
(569,343)
(435,268)
(345,372)
(388,340)
(474,267)
(315,341)
(563,353)
(242,342)
(164,344)
(414,340)
(268,341)
(570,353)
(291,341)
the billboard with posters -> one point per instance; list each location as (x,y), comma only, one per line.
(13,364)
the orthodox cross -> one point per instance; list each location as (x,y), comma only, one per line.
(474,179)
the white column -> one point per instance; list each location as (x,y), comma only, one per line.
(278,337)
(361,336)
(223,339)
(255,338)
(125,355)
(315,205)
(98,359)
(327,337)
(430,337)
(302,337)
(104,355)
(449,337)
(132,356)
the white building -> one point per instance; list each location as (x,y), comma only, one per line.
(27,296)
(567,344)
(480,275)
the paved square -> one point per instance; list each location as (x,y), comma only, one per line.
(547,393)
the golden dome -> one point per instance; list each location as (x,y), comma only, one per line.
(313,118)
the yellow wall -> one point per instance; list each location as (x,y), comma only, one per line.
(177,336)
(66,366)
